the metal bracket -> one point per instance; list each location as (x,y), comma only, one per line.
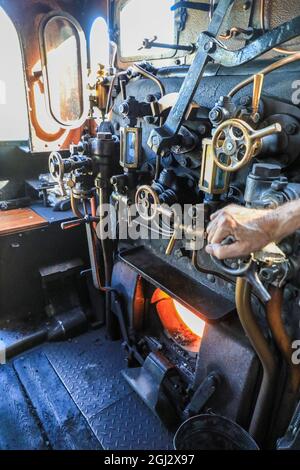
(148,382)
(203,393)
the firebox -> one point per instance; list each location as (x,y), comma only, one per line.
(176,359)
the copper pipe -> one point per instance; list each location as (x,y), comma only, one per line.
(274,317)
(152,77)
(259,343)
(74,207)
(270,68)
(94,225)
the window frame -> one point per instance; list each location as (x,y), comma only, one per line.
(82,61)
(24,144)
(168,54)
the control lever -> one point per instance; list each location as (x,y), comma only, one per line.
(75,223)
(247,268)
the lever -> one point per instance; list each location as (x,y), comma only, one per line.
(247,269)
(171,244)
(257,90)
(150,43)
(75,223)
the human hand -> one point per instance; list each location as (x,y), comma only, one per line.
(250,228)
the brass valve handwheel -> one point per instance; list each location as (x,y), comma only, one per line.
(147,202)
(56,170)
(235,143)
(56,167)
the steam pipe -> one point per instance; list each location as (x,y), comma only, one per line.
(74,207)
(270,68)
(274,317)
(259,343)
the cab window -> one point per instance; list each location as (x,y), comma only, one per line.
(13,104)
(155,19)
(64,66)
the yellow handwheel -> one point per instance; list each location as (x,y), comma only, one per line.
(235,143)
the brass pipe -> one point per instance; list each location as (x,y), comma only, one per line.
(152,77)
(260,345)
(274,317)
(270,68)
(74,207)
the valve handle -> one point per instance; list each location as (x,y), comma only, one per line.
(235,143)
(147,202)
(56,170)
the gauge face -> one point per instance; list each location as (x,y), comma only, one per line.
(131,143)
(130,155)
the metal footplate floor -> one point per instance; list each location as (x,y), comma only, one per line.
(71,395)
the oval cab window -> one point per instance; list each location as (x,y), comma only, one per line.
(63,53)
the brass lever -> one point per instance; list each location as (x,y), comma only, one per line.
(171,244)
(257,90)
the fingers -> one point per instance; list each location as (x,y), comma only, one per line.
(221,252)
(232,208)
(219,234)
(220,228)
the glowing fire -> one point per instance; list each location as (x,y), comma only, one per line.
(180,323)
(192,321)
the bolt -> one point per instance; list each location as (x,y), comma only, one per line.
(214,115)
(209,46)
(150,98)
(183,162)
(124,108)
(291,128)
(247,5)
(245,101)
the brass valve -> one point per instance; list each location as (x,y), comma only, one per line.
(235,143)
(147,202)
(56,170)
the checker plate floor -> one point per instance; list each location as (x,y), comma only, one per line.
(71,395)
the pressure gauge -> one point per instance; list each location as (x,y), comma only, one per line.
(131,145)
(213,180)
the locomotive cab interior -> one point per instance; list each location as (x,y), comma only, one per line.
(124,126)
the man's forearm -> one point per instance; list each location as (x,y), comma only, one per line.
(284,220)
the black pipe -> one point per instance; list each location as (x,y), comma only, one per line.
(63,327)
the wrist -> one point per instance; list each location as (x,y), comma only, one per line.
(272,226)
(283,221)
